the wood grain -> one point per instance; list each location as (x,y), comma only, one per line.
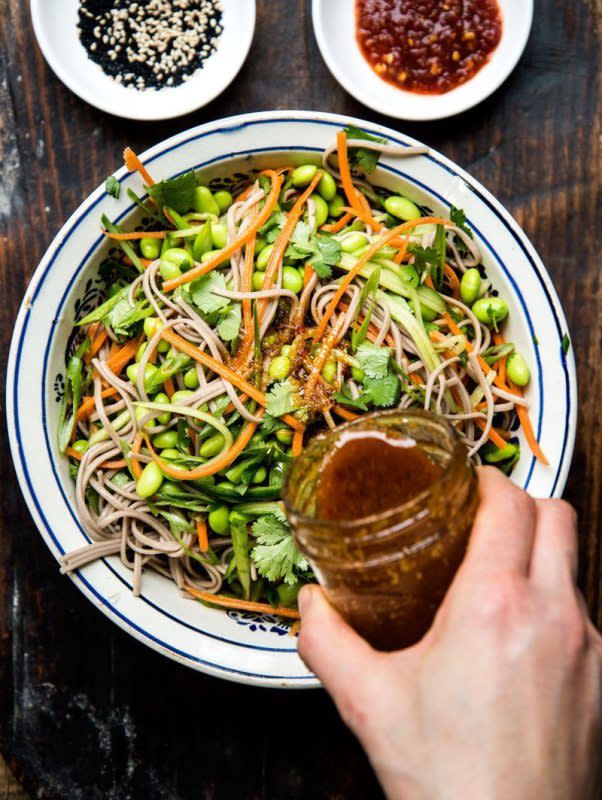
(84,710)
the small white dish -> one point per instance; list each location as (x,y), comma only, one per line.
(334,26)
(55,27)
(251,647)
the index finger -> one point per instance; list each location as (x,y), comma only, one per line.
(504,528)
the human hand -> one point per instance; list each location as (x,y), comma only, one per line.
(502,697)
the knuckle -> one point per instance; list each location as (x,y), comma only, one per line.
(562,509)
(571,625)
(501,601)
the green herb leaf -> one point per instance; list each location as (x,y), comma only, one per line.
(360,157)
(174,362)
(229,327)
(373,360)
(113,187)
(383,392)
(425,258)
(345,399)
(270,229)
(201,291)
(123,316)
(280,399)
(322,252)
(125,246)
(70,403)
(176,193)
(566,343)
(458,217)
(440,246)
(276,556)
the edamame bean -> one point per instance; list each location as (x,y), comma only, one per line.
(164,418)
(257,281)
(132,372)
(191,379)
(517,369)
(223,199)
(287,595)
(219,520)
(165,440)
(80,446)
(150,248)
(264,257)
(320,210)
(259,245)
(286,350)
(291,280)
(329,371)
(211,255)
(353,241)
(501,454)
(212,446)
(402,208)
(204,202)
(170,453)
(181,394)
(140,350)
(336,205)
(280,368)
(490,310)
(358,374)
(168,270)
(179,257)
(260,475)
(284,435)
(304,175)
(203,242)
(150,481)
(152,325)
(327,187)
(228,485)
(219,236)
(470,285)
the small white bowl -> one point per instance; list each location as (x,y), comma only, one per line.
(334,26)
(55,27)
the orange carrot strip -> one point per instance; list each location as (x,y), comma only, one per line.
(493,434)
(453,280)
(295,628)
(123,356)
(134,463)
(219,463)
(345,414)
(282,241)
(348,187)
(337,226)
(235,245)
(243,605)
(105,465)
(308,271)
(133,163)
(87,406)
(246,278)
(297,443)
(98,342)
(169,387)
(146,262)
(131,236)
(201,532)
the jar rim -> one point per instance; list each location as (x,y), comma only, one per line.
(458,454)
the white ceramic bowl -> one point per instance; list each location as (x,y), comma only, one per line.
(55,27)
(334,26)
(243,647)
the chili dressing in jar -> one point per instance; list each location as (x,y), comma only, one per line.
(427,46)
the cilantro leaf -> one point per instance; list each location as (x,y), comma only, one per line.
(229,327)
(425,258)
(458,217)
(280,399)
(363,158)
(176,193)
(270,229)
(345,399)
(113,187)
(373,360)
(201,291)
(566,343)
(122,316)
(322,252)
(276,556)
(383,392)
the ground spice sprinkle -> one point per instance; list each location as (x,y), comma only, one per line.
(150,44)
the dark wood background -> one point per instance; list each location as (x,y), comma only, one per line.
(85,711)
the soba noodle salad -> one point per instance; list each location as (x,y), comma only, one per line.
(235,327)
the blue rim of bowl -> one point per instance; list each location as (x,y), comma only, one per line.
(238,123)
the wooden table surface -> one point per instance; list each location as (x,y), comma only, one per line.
(87,712)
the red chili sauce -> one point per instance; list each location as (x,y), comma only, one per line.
(428,46)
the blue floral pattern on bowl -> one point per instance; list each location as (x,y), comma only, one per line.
(254,621)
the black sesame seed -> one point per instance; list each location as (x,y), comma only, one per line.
(148,45)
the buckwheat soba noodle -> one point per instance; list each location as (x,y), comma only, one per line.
(233,327)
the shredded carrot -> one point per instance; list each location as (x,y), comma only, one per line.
(235,245)
(223,371)
(295,628)
(453,281)
(217,464)
(98,342)
(500,365)
(133,235)
(348,187)
(246,279)
(105,465)
(133,163)
(345,414)
(337,226)
(493,434)
(243,605)
(169,387)
(282,241)
(320,361)
(146,262)
(201,532)
(134,463)
(308,271)
(297,443)
(87,406)
(429,282)
(123,356)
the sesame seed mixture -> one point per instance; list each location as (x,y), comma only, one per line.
(150,44)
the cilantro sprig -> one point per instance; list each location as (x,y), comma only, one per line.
(322,252)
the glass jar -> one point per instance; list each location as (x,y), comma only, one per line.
(388,573)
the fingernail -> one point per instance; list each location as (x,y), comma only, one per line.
(304,599)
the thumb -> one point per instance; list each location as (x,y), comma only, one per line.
(340,658)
